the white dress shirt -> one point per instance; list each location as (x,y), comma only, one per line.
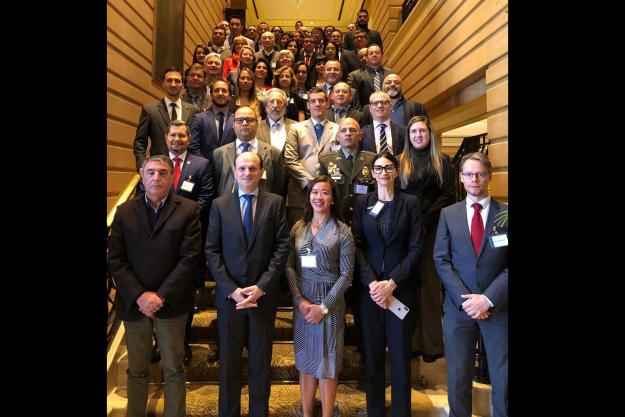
(253,146)
(389,137)
(178,107)
(278,136)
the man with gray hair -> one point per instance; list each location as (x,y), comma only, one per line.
(267,50)
(383,134)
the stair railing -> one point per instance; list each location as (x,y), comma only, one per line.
(113,322)
(406,8)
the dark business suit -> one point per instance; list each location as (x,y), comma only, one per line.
(362,80)
(398,134)
(464,272)
(400,254)
(349,62)
(373,37)
(153,123)
(204,134)
(225,169)
(160,256)
(351,112)
(235,264)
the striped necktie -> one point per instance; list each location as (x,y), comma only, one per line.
(383,144)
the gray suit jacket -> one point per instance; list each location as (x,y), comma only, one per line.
(463,272)
(301,157)
(153,123)
(273,178)
(362,80)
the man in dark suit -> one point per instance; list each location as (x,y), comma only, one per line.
(246,249)
(362,23)
(307,53)
(195,93)
(471,258)
(342,104)
(153,253)
(155,117)
(402,110)
(368,80)
(333,74)
(206,136)
(245,126)
(383,133)
(349,59)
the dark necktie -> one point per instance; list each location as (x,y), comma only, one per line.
(319,131)
(341,115)
(177,162)
(383,144)
(245,146)
(248,220)
(174,116)
(377,84)
(477,228)
(350,164)
(220,118)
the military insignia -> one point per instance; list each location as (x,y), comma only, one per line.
(365,171)
(334,171)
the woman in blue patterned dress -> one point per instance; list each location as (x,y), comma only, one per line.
(319,270)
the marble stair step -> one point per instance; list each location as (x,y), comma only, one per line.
(204,327)
(285,401)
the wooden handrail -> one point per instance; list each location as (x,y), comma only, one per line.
(122,198)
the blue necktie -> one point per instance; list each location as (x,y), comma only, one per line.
(245,146)
(319,131)
(247,216)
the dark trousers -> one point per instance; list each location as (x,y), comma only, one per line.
(237,328)
(381,328)
(460,340)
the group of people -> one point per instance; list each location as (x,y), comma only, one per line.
(351,208)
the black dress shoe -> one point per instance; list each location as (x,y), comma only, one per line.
(188,354)
(156,354)
(432,358)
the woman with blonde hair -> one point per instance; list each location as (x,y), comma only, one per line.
(232,63)
(426,173)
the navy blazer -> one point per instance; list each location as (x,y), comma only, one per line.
(198,171)
(461,271)
(397,132)
(163,260)
(401,253)
(261,262)
(204,134)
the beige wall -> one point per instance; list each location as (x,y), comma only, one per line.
(452,55)
(130,30)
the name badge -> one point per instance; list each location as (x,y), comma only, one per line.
(309,261)
(360,189)
(376,209)
(497,241)
(187,186)
(264,177)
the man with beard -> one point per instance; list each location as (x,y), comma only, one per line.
(402,110)
(362,23)
(155,117)
(213,128)
(195,93)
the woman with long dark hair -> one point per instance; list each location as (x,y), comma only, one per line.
(319,270)
(426,173)
(284,79)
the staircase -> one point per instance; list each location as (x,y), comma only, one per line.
(429,392)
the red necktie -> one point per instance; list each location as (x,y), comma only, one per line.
(477,228)
(307,60)
(176,171)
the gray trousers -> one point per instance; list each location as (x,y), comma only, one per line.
(170,334)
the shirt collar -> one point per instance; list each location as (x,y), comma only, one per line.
(316,122)
(386,122)
(182,156)
(272,123)
(242,193)
(253,143)
(159,205)
(483,202)
(178,102)
(353,154)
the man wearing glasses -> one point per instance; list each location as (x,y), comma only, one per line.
(245,127)
(383,134)
(471,258)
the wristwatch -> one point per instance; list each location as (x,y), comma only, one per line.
(324,309)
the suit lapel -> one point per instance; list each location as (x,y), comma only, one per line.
(464,226)
(398,206)
(227,126)
(166,211)
(258,218)
(235,210)
(141,213)
(328,128)
(231,155)
(162,109)
(184,172)
(490,219)
(311,134)
(213,127)
(359,163)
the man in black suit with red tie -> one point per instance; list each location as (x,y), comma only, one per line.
(246,250)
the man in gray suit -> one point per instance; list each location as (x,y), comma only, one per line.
(245,126)
(305,142)
(155,117)
(368,80)
(471,258)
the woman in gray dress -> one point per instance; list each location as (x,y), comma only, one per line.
(319,270)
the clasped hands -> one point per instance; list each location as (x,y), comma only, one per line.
(149,303)
(312,312)
(476,306)
(380,292)
(246,297)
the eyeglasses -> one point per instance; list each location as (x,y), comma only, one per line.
(380,103)
(240,120)
(388,168)
(469,175)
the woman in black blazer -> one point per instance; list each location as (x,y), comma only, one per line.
(387,231)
